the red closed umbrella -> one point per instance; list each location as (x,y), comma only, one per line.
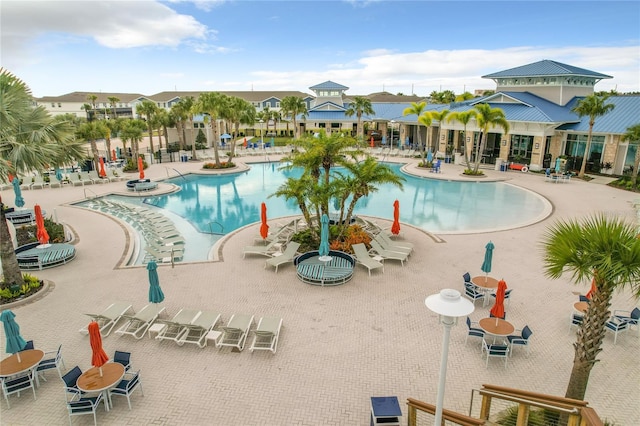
(264,228)
(41,232)
(141,167)
(372,142)
(245,142)
(99,358)
(113,155)
(498,309)
(102,172)
(593,289)
(395,228)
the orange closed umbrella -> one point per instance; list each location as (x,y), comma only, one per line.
(593,289)
(395,228)
(372,142)
(99,358)
(498,309)
(113,155)
(102,172)
(41,231)
(141,167)
(245,142)
(264,228)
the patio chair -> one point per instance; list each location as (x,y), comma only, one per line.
(575,319)
(507,296)
(632,317)
(235,333)
(435,168)
(387,254)
(616,326)
(467,278)
(388,245)
(197,331)
(123,358)
(29,345)
(263,250)
(286,257)
(267,334)
(52,359)
(495,350)
(18,383)
(522,339)
(504,317)
(108,318)
(472,293)
(78,405)
(363,258)
(176,326)
(70,379)
(126,386)
(138,324)
(473,331)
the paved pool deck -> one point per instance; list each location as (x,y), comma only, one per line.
(339,345)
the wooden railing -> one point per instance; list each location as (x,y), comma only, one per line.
(447,415)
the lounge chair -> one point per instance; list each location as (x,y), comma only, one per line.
(385,237)
(138,324)
(388,245)
(196,332)
(387,254)
(164,256)
(266,334)
(267,250)
(235,333)
(38,182)
(75,179)
(363,258)
(108,318)
(282,232)
(86,179)
(95,177)
(286,256)
(175,327)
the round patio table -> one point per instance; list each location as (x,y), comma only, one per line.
(486,284)
(496,327)
(92,381)
(28,360)
(581,307)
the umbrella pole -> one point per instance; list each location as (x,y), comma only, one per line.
(18,355)
(100,369)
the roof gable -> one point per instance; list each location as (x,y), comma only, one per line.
(329,85)
(328,106)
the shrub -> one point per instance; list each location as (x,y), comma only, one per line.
(31,286)
(27,233)
(223,165)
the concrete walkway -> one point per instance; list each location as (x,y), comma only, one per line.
(338,345)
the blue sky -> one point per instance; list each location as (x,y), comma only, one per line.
(147,46)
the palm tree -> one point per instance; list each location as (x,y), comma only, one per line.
(439,116)
(87,110)
(92,101)
(293,106)
(600,247)
(593,106)
(149,110)
(30,139)
(359,106)
(464,117)
(238,111)
(161,121)
(181,111)
(297,190)
(416,108)
(133,131)
(113,101)
(426,121)
(213,104)
(487,117)
(91,131)
(632,135)
(464,97)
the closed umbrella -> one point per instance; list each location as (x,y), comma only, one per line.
(395,228)
(15,342)
(141,168)
(558,167)
(113,155)
(155,292)
(245,142)
(102,172)
(264,227)
(41,231)
(593,289)
(488,257)
(384,140)
(324,236)
(372,144)
(98,358)
(58,174)
(498,308)
(18,191)
(429,156)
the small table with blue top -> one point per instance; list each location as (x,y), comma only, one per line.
(385,410)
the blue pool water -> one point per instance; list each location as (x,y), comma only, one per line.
(223,203)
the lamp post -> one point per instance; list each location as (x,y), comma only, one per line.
(261,133)
(391,123)
(449,305)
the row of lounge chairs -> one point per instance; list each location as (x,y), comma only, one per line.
(393,152)
(189,326)
(74,179)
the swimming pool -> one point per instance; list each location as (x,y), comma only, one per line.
(218,204)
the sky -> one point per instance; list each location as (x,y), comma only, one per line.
(409,47)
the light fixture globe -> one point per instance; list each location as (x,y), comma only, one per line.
(450,303)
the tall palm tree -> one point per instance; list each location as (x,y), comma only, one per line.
(293,106)
(440,117)
(426,121)
(133,131)
(358,107)
(299,191)
(600,247)
(416,108)
(487,117)
(632,135)
(238,111)
(593,106)
(149,110)
(463,117)
(213,104)
(162,121)
(181,111)
(30,140)
(113,101)
(92,101)
(91,131)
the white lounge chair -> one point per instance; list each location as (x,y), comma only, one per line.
(108,318)
(235,333)
(363,258)
(388,245)
(196,332)
(267,250)
(286,256)
(138,324)
(388,254)
(267,334)
(386,238)
(176,326)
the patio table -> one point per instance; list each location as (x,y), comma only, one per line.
(496,327)
(486,284)
(92,381)
(29,359)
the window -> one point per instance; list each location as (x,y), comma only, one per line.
(575,146)
(521,146)
(59,105)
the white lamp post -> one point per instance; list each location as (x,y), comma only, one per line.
(261,133)
(450,305)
